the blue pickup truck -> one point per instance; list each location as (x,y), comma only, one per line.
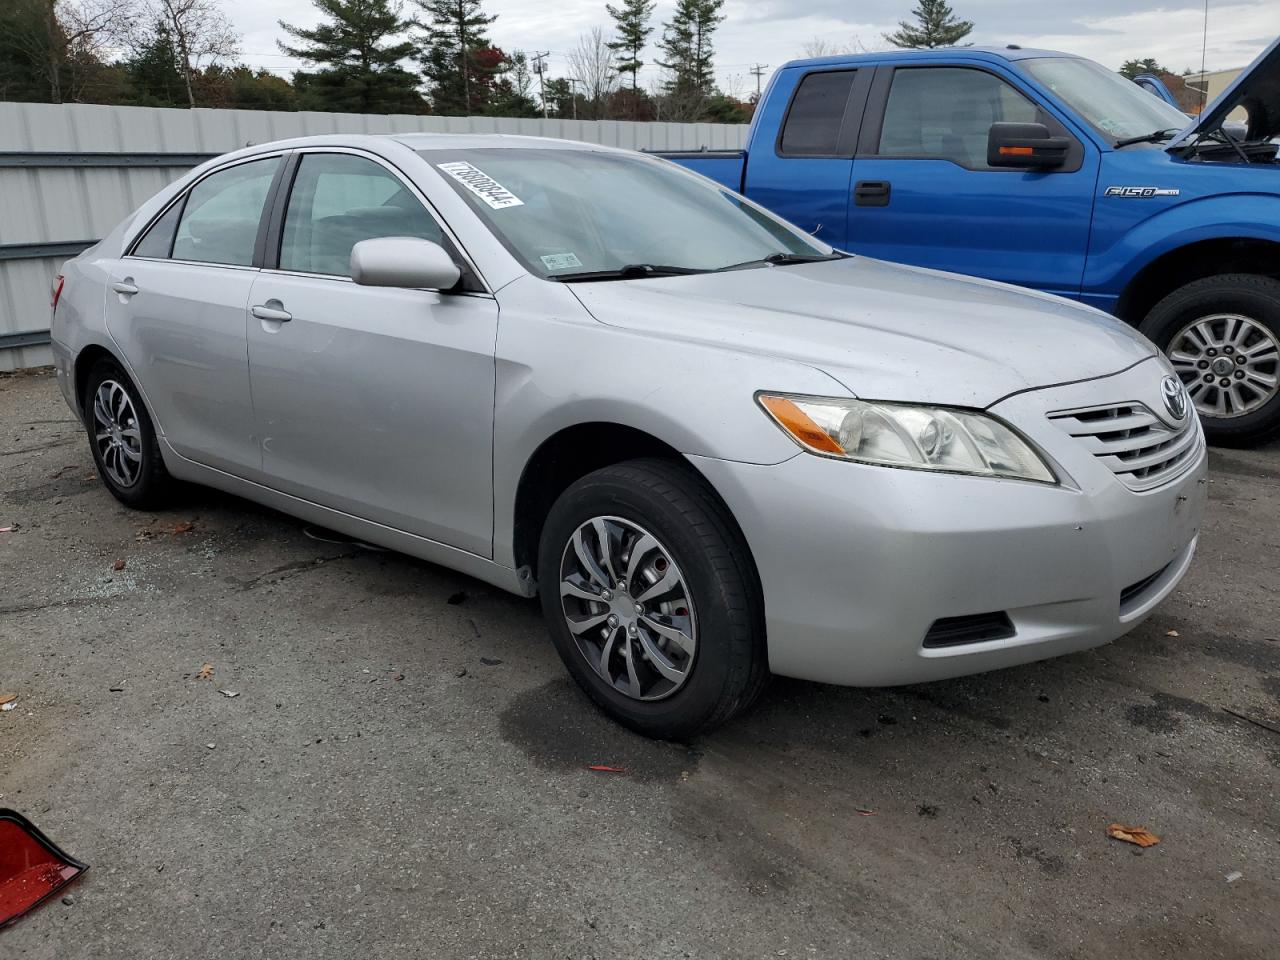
(1046,170)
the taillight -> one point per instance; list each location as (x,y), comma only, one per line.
(58,281)
(32,869)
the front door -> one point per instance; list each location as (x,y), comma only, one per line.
(923,193)
(177,305)
(373,401)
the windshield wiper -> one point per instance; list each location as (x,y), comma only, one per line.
(632,271)
(1155,136)
(783,260)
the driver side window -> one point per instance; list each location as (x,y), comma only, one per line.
(945,113)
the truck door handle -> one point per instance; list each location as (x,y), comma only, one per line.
(125,286)
(272,310)
(871,193)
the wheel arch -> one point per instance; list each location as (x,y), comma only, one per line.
(1194,261)
(570,454)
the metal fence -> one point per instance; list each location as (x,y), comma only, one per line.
(70,172)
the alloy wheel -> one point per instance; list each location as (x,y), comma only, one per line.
(116,433)
(628,607)
(1230,364)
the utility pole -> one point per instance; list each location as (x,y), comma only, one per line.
(758,70)
(573,94)
(538,68)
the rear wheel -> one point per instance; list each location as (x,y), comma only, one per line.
(123,439)
(1222,335)
(652,600)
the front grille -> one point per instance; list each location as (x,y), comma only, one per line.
(973,628)
(1133,443)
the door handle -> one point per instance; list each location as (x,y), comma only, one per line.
(125,286)
(272,310)
(871,193)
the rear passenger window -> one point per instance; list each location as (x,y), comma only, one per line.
(337,201)
(158,241)
(220,220)
(812,127)
(946,112)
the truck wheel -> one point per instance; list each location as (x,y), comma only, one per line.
(123,440)
(652,600)
(1222,335)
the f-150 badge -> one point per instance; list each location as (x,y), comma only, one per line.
(1141,192)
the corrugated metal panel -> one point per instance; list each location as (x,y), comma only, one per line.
(62,204)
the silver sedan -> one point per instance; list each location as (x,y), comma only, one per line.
(714,446)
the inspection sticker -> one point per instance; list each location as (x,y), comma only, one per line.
(482,185)
(561,261)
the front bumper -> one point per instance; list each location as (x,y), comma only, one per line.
(858,562)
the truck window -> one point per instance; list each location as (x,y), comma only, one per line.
(945,113)
(812,126)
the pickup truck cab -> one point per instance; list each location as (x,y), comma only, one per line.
(1049,171)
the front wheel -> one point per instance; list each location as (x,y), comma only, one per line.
(652,600)
(1222,335)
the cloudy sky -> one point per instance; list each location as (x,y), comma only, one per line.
(774,31)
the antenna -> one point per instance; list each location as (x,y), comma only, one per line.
(1204,46)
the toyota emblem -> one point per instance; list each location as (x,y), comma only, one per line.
(1175,397)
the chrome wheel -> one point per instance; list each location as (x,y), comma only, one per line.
(1229,362)
(116,433)
(628,607)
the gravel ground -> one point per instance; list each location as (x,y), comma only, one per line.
(404,769)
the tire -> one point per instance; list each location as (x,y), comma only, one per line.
(718,601)
(134,472)
(1251,298)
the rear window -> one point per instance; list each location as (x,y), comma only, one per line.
(812,127)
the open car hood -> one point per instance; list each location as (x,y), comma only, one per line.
(1257,89)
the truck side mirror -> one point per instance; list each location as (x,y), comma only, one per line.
(1026,145)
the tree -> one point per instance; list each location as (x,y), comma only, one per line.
(513,91)
(936,26)
(632,19)
(52,50)
(155,77)
(202,36)
(454,35)
(591,63)
(686,43)
(359,61)
(1136,68)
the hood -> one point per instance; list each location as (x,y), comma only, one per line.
(1257,89)
(885,331)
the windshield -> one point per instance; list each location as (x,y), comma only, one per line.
(1116,107)
(571,212)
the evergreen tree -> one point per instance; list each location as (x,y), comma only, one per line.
(155,77)
(686,43)
(513,90)
(455,35)
(632,18)
(359,59)
(936,26)
(1136,68)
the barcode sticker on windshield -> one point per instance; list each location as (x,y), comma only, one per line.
(561,261)
(482,185)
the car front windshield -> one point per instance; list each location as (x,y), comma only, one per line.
(1116,107)
(567,213)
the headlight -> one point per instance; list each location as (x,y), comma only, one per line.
(903,435)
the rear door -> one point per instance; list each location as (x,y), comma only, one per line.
(177,306)
(923,193)
(374,401)
(803,176)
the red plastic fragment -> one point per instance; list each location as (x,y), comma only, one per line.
(605,768)
(32,869)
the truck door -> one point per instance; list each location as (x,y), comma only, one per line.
(803,176)
(923,193)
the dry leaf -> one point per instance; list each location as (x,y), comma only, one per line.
(183,526)
(118,565)
(1139,835)
(7,698)
(1171,633)
(605,768)
(206,672)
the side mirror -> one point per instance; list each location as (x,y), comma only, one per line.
(407,262)
(1025,145)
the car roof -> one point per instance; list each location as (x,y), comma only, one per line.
(424,141)
(1010,52)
